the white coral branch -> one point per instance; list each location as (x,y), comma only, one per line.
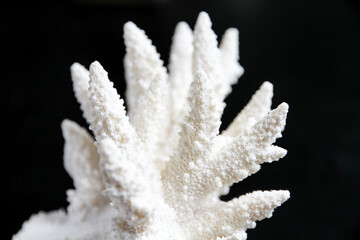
(107,109)
(229,48)
(141,62)
(196,138)
(126,184)
(244,154)
(221,65)
(180,78)
(206,53)
(256,109)
(81,161)
(151,119)
(80,78)
(227,220)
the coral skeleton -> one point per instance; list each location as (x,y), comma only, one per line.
(156,171)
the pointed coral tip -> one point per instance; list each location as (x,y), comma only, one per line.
(77,70)
(232,32)
(182,28)
(284,195)
(200,75)
(203,20)
(68,126)
(65,124)
(76,66)
(283,107)
(268,86)
(129,27)
(96,68)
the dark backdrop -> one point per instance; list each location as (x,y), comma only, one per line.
(308,49)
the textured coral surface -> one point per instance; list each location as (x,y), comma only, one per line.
(157,169)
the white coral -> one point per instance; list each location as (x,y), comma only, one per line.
(158,172)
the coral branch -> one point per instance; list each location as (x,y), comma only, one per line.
(133,188)
(229,48)
(180,75)
(198,132)
(80,79)
(239,214)
(108,112)
(221,65)
(151,119)
(207,55)
(243,156)
(256,109)
(142,63)
(125,183)
(81,161)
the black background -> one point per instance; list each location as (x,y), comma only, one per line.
(308,49)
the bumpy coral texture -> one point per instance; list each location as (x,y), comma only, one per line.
(157,170)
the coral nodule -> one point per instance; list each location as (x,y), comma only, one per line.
(156,171)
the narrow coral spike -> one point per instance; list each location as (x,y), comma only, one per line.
(256,109)
(206,53)
(125,184)
(229,48)
(197,135)
(243,156)
(107,109)
(151,119)
(240,213)
(180,71)
(81,161)
(80,79)
(142,63)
